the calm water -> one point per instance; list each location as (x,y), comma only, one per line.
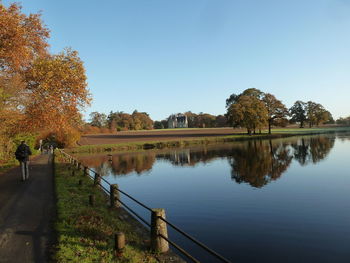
(285,200)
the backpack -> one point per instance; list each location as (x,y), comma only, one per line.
(21,153)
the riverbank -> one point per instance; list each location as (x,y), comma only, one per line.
(85,233)
(143,142)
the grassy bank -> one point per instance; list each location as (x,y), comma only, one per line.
(85,233)
(144,145)
(4,167)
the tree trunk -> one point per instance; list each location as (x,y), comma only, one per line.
(269,127)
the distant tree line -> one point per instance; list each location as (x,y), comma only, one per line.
(200,120)
(118,121)
(254,110)
(343,121)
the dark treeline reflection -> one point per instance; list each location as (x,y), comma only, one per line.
(256,162)
(259,162)
(120,164)
(313,149)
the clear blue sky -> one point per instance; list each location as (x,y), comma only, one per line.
(167,56)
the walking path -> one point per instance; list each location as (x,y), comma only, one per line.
(27,210)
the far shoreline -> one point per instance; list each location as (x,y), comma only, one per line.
(150,141)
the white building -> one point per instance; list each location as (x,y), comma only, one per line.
(177,121)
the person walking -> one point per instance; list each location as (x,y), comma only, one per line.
(22,155)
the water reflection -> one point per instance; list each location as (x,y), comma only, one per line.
(128,163)
(255,162)
(194,156)
(313,149)
(259,162)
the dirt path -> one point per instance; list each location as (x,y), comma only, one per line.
(26,213)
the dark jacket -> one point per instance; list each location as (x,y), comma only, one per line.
(22,153)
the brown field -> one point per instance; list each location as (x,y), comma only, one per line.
(155,135)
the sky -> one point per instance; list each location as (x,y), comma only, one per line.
(170,56)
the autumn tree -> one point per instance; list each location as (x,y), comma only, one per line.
(23,38)
(98,119)
(317,114)
(252,92)
(57,91)
(311,112)
(204,120)
(276,110)
(325,117)
(142,121)
(298,112)
(135,121)
(248,112)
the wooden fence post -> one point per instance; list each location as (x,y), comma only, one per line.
(85,171)
(158,227)
(91,200)
(97,179)
(114,196)
(119,242)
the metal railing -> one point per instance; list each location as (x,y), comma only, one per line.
(97,179)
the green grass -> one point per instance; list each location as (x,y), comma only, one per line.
(311,130)
(85,233)
(7,166)
(4,167)
(137,146)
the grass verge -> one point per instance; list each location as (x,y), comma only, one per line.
(144,145)
(4,167)
(86,233)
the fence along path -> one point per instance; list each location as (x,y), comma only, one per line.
(158,226)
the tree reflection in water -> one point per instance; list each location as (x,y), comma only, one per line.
(256,162)
(120,164)
(312,149)
(259,162)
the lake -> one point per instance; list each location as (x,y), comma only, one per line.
(282,200)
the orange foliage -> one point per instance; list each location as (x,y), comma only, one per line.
(22,38)
(38,92)
(58,90)
(89,129)
(62,137)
